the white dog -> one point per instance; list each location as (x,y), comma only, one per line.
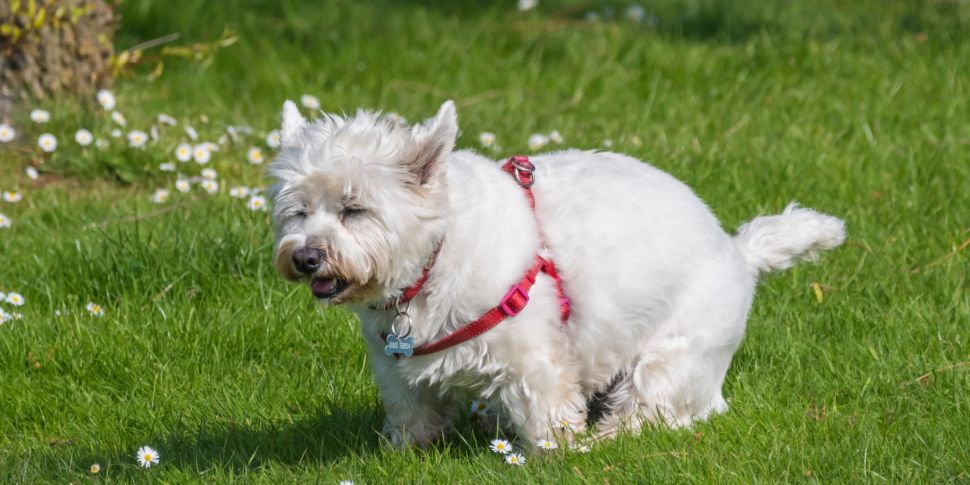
(365,207)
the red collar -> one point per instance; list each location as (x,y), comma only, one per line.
(523,171)
(412,291)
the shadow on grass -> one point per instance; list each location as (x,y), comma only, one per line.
(327,436)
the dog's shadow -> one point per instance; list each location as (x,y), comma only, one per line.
(324,436)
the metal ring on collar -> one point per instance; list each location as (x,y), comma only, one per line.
(406,318)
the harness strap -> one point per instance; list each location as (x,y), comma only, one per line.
(512,303)
(523,171)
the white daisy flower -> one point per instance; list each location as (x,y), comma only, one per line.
(15,299)
(106,99)
(5,221)
(47,142)
(236,131)
(547,444)
(201,154)
(193,135)
(607,143)
(222,140)
(160,196)
(555,137)
(208,173)
(83,137)
(310,102)
(273,139)
(183,185)
(40,116)
(565,425)
(94,469)
(256,203)
(12,196)
(346,482)
(525,5)
(166,167)
(147,456)
(183,152)
(32,173)
(515,459)
(501,446)
(579,447)
(538,141)
(7,133)
(116,133)
(166,119)
(119,118)
(486,138)
(480,408)
(210,186)
(238,192)
(634,13)
(137,139)
(101,143)
(94,309)
(153,133)
(255,156)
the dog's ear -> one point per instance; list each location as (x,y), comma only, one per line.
(293,123)
(433,141)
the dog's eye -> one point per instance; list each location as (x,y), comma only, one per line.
(351,211)
(303,212)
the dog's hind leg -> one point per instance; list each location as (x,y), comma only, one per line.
(662,388)
(677,376)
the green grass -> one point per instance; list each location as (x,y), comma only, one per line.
(858,110)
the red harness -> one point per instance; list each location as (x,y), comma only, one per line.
(523,171)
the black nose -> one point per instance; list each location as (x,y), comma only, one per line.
(307,259)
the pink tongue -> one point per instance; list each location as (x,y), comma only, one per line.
(323,287)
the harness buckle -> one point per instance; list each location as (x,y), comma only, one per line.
(508,310)
(524,170)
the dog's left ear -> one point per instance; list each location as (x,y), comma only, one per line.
(293,123)
(433,141)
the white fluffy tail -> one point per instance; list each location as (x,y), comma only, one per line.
(771,243)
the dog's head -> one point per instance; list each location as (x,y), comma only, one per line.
(359,202)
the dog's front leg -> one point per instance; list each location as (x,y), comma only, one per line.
(543,398)
(416,414)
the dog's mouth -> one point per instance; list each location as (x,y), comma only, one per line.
(327,288)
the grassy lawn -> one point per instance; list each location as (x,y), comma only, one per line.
(855,369)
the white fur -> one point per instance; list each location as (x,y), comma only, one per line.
(660,293)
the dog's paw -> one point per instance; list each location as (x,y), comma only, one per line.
(400,438)
(396,437)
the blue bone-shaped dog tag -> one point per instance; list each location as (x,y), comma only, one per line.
(399,345)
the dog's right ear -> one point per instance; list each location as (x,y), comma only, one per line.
(434,139)
(293,123)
